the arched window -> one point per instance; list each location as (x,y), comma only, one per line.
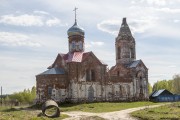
(80,45)
(77,45)
(49,91)
(131,53)
(87,75)
(118,74)
(73,44)
(92,75)
(141,81)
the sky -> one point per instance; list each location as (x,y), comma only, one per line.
(33,32)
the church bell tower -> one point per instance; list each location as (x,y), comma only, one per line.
(76,37)
(125,45)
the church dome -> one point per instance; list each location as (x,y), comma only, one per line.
(75,30)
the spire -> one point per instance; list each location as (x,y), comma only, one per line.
(124,21)
(75,14)
(124,29)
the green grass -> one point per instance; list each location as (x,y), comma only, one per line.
(8,113)
(103,107)
(166,112)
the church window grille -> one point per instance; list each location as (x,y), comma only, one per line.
(49,91)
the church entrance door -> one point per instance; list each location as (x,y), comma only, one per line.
(90,94)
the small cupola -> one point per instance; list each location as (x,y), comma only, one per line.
(75,29)
(76,37)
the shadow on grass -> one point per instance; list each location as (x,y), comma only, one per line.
(11,110)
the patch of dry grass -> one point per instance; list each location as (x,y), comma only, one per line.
(166,112)
(8,113)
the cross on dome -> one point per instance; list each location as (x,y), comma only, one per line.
(75,13)
(75,29)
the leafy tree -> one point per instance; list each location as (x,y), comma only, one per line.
(176,84)
(26,96)
(164,84)
(171,85)
(33,92)
(149,88)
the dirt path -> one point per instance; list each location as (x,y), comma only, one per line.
(117,115)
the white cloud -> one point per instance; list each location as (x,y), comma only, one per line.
(168,10)
(97,43)
(16,39)
(176,21)
(157,75)
(109,26)
(142,24)
(172,66)
(155,2)
(39,18)
(136,25)
(40,12)
(53,22)
(22,20)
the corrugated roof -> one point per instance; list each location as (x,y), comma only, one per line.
(152,93)
(157,93)
(74,57)
(134,63)
(53,71)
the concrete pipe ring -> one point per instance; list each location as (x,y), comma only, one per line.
(50,109)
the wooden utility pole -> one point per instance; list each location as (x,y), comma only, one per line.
(1,95)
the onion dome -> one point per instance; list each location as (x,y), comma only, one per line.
(75,30)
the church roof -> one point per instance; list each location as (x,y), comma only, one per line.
(74,57)
(53,71)
(134,63)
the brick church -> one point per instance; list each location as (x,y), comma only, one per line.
(79,76)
